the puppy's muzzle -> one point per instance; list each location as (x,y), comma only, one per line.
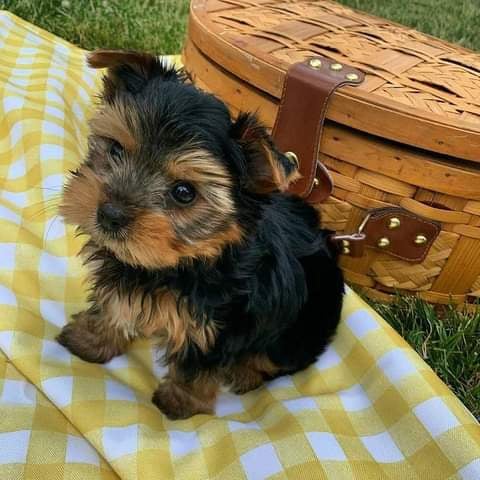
(111,217)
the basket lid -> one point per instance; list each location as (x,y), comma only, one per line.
(418,90)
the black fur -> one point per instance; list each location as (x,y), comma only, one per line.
(278,292)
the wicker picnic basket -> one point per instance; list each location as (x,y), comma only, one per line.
(401,141)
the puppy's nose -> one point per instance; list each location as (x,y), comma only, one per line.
(111,217)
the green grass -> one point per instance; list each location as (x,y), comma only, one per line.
(159,25)
(448,340)
(153,25)
(453,20)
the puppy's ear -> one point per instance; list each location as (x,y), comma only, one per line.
(268,169)
(129,70)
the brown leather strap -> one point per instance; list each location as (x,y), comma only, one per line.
(392,230)
(298,127)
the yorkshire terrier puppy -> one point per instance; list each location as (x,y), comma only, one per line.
(193,238)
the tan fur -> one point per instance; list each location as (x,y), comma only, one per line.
(81,196)
(153,244)
(180,399)
(250,373)
(90,338)
(142,63)
(160,314)
(203,336)
(210,178)
(111,122)
(267,174)
(151,241)
(271,176)
(121,319)
(172,318)
(149,316)
(126,314)
(212,247)
(164,314)
(102,58)
(198,165)
(262,363)
(156,232)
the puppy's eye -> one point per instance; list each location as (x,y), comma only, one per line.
(116,150)
(183,193)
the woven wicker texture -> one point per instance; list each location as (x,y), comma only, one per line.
(241,50)
(476,288)
(335,214)
(402,64)
(361,189)
(392,273)
(426,91)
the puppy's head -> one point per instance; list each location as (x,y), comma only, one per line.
(167,171)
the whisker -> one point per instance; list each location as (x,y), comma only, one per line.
(45,207)
(47,201)
(49,189)
(53,199)
(45,237)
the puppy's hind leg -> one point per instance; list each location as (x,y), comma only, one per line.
(250,373)
(178,398)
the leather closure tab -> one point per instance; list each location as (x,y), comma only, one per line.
(298,127)
(392,230)
(400,233)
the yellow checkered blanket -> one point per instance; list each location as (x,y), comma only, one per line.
(370,408)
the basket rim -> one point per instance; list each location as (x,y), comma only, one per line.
(267,74)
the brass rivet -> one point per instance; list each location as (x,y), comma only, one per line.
(394,222)
(336,66)
(316,182)
(420,239)
(346,243)
(292,157)
(315,63)
(346,250)
(353,77)
(383,242)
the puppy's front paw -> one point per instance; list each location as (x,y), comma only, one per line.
(79,338)
(176,403)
